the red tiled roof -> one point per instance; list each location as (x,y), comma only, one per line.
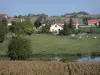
(10,19)
(1,17)
(74,21)
(93,21)
(61,25)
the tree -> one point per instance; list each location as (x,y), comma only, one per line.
(15,16)
(4,21)
(92,29)
(28,29)
(2,32)
(16,28)
(85,20)
(29,14)
(19,16)
(45,29)
(37,23)
(70,25)
(66,30)
(22,27)
(99,24)
(12,27)
(14,22)
(19,48)
(83,12)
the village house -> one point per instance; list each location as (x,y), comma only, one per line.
(9,19)
(93,22)
(76,21)
(80,15)
(56,28)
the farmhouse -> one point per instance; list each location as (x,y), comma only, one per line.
(76,21)
(56,28)
(9,19)
(93,22)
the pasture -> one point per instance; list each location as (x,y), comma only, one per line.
(44,43)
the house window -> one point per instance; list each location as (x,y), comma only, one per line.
(58,29)
(55,25)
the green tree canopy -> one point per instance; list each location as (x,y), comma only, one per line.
(70,25)
(19,48)
(2,32)
(4,21)
(37,23)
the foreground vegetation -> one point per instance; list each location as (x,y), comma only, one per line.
(48,68)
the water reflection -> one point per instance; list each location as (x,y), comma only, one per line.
(89,59)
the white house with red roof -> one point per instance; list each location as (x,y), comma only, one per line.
(93,22)
(56,28)
(9,19)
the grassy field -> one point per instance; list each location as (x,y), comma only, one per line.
(48,68)
(42,43)
(64,44)
(87,29)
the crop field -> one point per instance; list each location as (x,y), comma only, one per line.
(48,68)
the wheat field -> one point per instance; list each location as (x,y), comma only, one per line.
(48,68)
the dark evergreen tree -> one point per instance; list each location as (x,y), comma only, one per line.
(37,23)
(45,29)
(4,21)
(65,28)
(2,32)
(70,25)
(99,24)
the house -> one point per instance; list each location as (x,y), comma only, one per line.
(93,22)
(9,19)
(69,15)
(56,28)
(80,15)
(76,21)
(2,16)
(19,19)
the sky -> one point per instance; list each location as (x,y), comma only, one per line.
(50,7)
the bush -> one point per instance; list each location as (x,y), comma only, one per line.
(92,30)
(19,48)
(28,30)
(45,29)
(2,32)
(76,31)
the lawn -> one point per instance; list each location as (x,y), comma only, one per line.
(43,43)
(87,29)
(64,44)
